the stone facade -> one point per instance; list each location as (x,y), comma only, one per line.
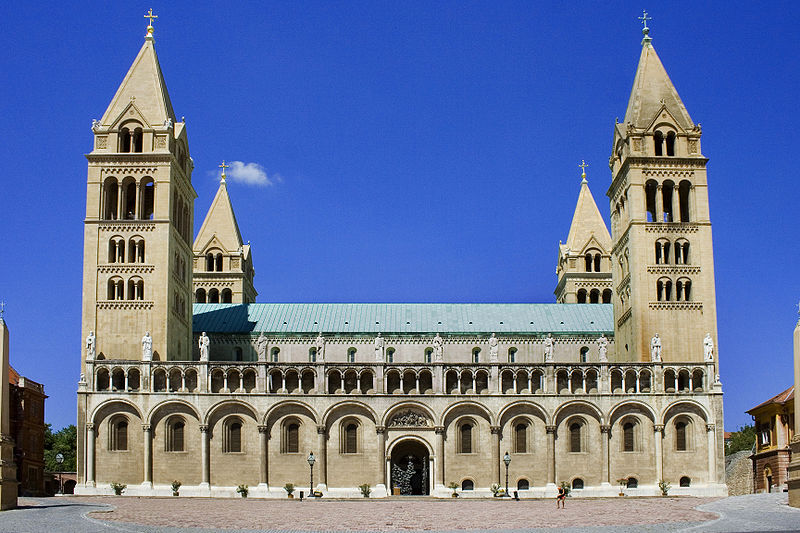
(27,429)
(407,398)
(774,425)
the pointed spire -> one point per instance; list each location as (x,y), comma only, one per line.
(653,89)
(587,222)
(144,87)
(220,222)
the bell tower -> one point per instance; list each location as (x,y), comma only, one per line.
(137,273)
(662,255)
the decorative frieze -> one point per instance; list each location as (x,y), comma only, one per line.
(673,269)
(676,306)
(671,227)
(124,304)
(125,269)
(127,225)
(410,419)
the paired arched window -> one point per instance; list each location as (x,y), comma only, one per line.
(232,436)
(174,435)
(290,441)
(664,144)
(592,261)
(664,290)
(214,262)
(131,138)
(682,293)
(118,434)
(116,289)
(683,290)
(521,437)
(465,437)
(136,289)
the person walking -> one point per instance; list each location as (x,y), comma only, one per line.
(561,499)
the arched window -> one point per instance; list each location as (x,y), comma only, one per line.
(350,440)
(682,252)
(351,355)
(606,296)
(681,441)
(467,484)
(465,438)
(110,196)
(671,143)
(116,289)
(575,437)
(667,189)
(581,296)
(124,140)
(597,257)
(118,434)
(200,296)
(588,262)
(137,140)
(213,296)
(128,199)
(523,484)
(683,194)
(577,484)
(148,199)
(232,436)
(685,481)
(584,354)
(237,354)
(291,437)
(428,354)
(627,436)
(632,483)
(218,261)
(521,437)
(658,142)
(227,296)
(476,355)
(512,355)
(650,189)
(209,262)
(390,355)
(174,435)
(273,354)
(594,296)
(312,355)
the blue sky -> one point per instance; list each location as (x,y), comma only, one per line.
(426,151)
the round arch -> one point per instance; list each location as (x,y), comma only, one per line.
(613,413)
(504,415)
(400,438)
(151,415)
(109,403)
(305,409)
(364,408)
(468,404)
(228,403)
(703,411)
(587,406)
(387,415)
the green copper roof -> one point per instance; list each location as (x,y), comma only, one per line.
(405,318)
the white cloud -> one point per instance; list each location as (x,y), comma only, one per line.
(250,174)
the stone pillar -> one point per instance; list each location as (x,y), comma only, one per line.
(148,455)
(551,455)
(605,442)
(496,430)
(712,453)
(659,204)
(322,435)
(494,378)
(438,385)
(381,431)
(439,475)
(206,477)
(658,436)
(90,455)
(263,436)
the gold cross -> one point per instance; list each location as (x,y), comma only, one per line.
(583,166)
(223,166)
(644,18)
(150,16)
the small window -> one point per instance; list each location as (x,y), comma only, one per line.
(174,434)
(523,484)
(428,354)
(351,355)
(627,436)
(584,355)
(467,484)
(512,355)
(685,481)
(521,438)
(632,483)
(351,438)
(232,442)
(273,354)
(390,355)
(577,484)
(575,437)
(292,438)
(466,438)
(118,435)
(476,355)
(237,354)
(312,355)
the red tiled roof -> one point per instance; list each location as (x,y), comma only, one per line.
(780,399)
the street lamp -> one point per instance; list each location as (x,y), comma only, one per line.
(507,461)
(60,460)
(311,460)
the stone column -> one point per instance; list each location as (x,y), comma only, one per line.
(263,436)
(438,385)
(439,474)
(496,451)
(551,454)
(494,378)
(659,204)
(658,436)
(605,442)
(712,453)
(148,455)
(90,455)
(381,431)
(322,435)
(206,478)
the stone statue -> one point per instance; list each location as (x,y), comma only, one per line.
(320,345)
(438,348)
(168,123)
(261,347)
(548,349)
(82,381)
(655,349)
(95,124)
(708,348)
(204,343)
(493,342)
(716,380)
(147,347)
(602,344)
(90,346)
(380,343)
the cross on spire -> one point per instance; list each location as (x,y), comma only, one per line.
(223,166)
(2,309)
(583,166)
(150,16)
(645,30)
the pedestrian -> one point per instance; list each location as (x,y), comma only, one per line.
(561,499)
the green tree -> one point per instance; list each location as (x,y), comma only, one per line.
(63,441)
(741,440)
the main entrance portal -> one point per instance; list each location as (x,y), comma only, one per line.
(409,468)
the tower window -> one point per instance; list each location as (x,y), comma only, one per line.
(219,262)
(607,296)
(588,262)
(594,296)
(671,143)
(582,296)
(137,140)
(227,296)
(200,296)
(129,199)
(148,199)
(658,143)
(597,262)
(683,194)
(650,189)
(209,262)
(667,189)
(125,140)
(213,296)
(110,195)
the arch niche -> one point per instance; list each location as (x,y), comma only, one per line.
(410,467)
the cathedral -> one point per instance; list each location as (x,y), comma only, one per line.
(613,388)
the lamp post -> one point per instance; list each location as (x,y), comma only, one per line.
(60,460)
(507,461)
(311,460)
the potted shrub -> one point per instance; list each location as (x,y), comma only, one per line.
(497,492)
(289,488)
(454,487)
(664,486)
(118,488)
(176,485)
(244,490)
(622,482)
(365,490)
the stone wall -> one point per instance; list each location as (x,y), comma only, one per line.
(739,473)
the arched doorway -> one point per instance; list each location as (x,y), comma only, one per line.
(410,473)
